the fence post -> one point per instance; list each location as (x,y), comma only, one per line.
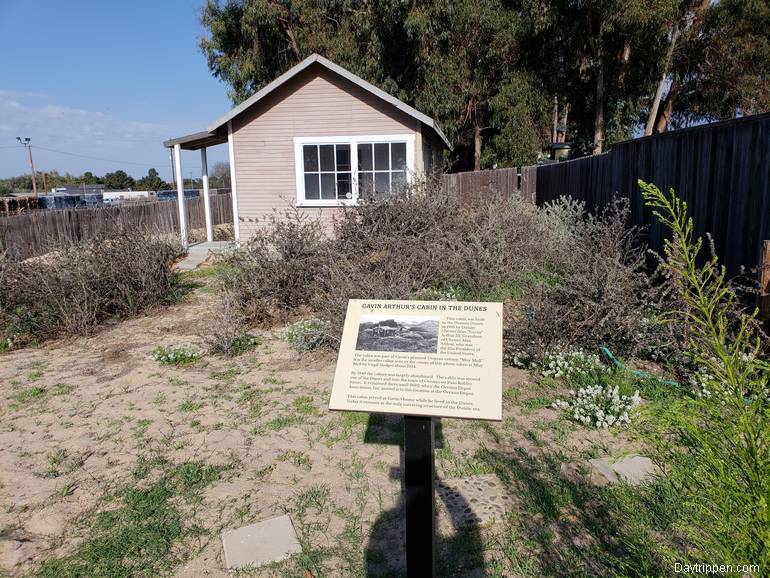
(764,283)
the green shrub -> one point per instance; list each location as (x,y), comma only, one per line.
(716,448)
(308,334)
(182,355)
(242,343)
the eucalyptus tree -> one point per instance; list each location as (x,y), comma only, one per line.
(717,64)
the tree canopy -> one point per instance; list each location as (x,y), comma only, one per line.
(504,78)
(118,181)
(151,182)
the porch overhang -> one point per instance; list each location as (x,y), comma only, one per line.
(198,140)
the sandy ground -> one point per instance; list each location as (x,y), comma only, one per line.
(77,415)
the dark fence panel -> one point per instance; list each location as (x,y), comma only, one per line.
(35,232)
(722,170)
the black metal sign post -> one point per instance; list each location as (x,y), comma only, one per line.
(418,484)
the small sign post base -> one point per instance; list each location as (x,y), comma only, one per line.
(419,487)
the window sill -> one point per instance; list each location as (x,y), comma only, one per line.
(312,205)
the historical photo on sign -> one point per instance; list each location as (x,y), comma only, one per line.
(398,333)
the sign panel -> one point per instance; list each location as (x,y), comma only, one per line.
(431,358)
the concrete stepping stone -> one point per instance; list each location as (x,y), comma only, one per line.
(473,500)
(267,541)
(633,470)
(199,253)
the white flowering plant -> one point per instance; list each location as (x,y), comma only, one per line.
(600,405)
(181,355)
(450,293)
(565,363)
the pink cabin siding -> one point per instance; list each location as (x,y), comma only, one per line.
(316,102)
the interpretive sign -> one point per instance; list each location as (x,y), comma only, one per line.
(424,358)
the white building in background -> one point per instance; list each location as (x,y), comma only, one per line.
(123,196)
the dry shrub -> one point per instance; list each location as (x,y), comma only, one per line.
(72,290)
(566,276)
(276,271)
(380,275)
(602,292)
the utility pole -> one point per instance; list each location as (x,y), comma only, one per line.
(25,143)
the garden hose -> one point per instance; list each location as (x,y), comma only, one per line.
(644,374)
(636,372)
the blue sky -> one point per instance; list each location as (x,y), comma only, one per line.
(103,79)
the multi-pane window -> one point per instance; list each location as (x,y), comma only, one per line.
(335,170)
(381,166)
(327,172)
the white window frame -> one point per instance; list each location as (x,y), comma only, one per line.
(353,141)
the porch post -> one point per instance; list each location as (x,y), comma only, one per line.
(206,200)
(180,194)
(233,188)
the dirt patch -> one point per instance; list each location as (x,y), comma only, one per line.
(80,417)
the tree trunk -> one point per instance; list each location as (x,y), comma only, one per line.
(564,118)
(625,56)
(664,114)
(555,119)
(476,148)
(291,37)
(652,117)
(657,118)
(599,112)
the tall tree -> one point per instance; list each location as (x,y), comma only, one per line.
(719,65)
(503,77)
(118,181)
(250,42)
(597,57)
(219,177)
(151,182)
(88,178)
(466,52)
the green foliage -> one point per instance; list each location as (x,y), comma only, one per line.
(496,69)
(717,448)
(181,355)
(139,528)
(308,334)
(40,393)
(151,182)
(118,181)
(731,47)
(243,343)
(518,114)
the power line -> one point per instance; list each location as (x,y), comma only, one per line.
(96,158)
(155,164)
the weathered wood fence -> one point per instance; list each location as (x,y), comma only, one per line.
(469,185)
(33,233)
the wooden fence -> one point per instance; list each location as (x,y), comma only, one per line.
(471,185)
(722,170)
(33,233)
